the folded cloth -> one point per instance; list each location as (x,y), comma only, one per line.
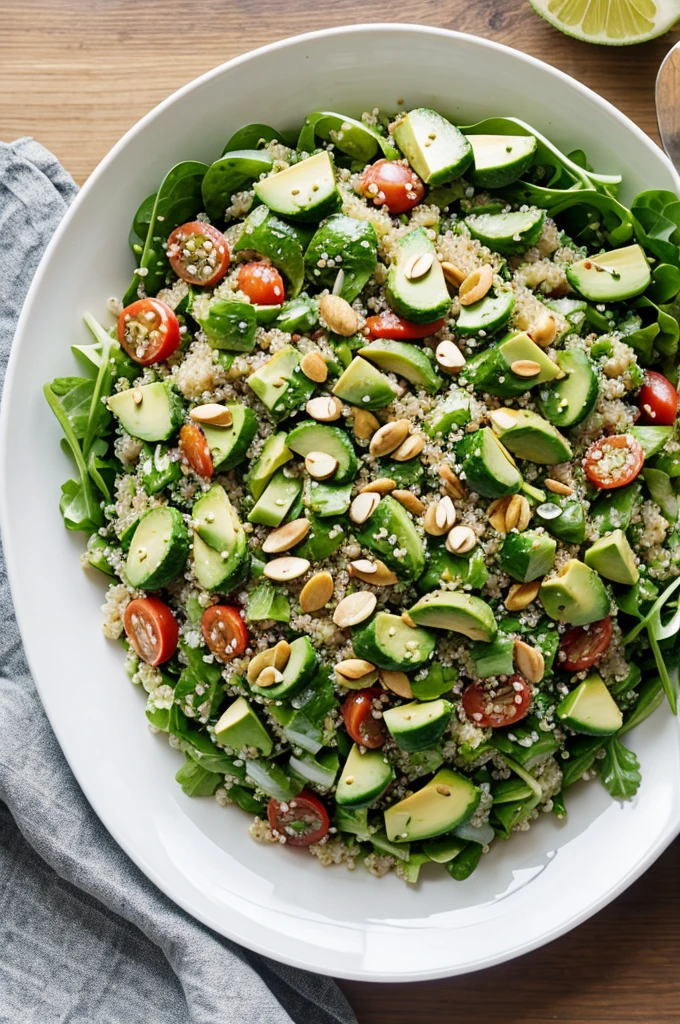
(85,938)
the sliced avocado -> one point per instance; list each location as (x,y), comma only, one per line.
(443,803)
(227,323)
(405,555)
(228,445)
(576,595)
(436,150)
(405,361)
(417,726)
(486,316)
(591,709)
(221,571)
(299,670)
(215,519)
(345,243)
(364,386)
(267,235)
(276,501)
(456,611)
(158,550)
(274,454)
(280,384)
(442,567)
(304,191)
(612,556)
(507,232)
(490,370)
(500,159)
(488,468)
(154,416)
(424,298)
(364,778)
(528,555)
(327,499)
(530,437)
(239,728)
(519,347)
(388,642)
(611,276)
(496,658)
(569,400)
(311,436)
(652,439)
(451,411)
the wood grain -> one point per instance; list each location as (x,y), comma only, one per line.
(76,74)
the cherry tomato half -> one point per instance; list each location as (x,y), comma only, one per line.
(357,711)
(262,283)
(304,820)
(393,184)
(199,253)
(658,400)
(613,461)
(509,703)
(151,629)
(196,449)
(583,646)
(389,325)
(224,631)
(148,330)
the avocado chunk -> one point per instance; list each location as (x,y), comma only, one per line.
(491,370)
(154,417)
(298,672)
(239,727)
(576,595)
(305,191)
(221,571)
(228,445)
(311,436)
(278,241)
(274,454)
(591,709)
(405,361)
(520,346)
(488,467)
(280,384)
(611,276)
(436,150)
(443,803)
(417,726)
(406,555)
(569,400)
(347,243)
(488,315)
(442,567)
(456,611)
(158,469)
(496,658)
(612,556)
(507,232)
(528,555)
(364,386)
(500,159)
(276,501)
(424,298)
(215,519)
(388,642)
(451,411)
(529,436)
(364,778)
(158,550)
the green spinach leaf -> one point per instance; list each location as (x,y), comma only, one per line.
(620,770)
(197,781)
(656,216)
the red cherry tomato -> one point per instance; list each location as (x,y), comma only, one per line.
(613,461)
(583,646)
(224,631)
(195,449)
(357,711)
(658,400)
(262,283)
(389,325)
(393,184)
(304,820)
(506,704)
(199,253)
(148,330)
(151,629)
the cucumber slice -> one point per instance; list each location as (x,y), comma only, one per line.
(652,439)
(388,642)
(530,437)
(323,540)
(364,386)
(273,781)
(405,361)
(159,549)
(611,276)
(436,150)
(425,298)
(324,499)
(321,771)
(267,314)
(158,469)
(456,611)
(278,241)
(216,572)
(500,159)
(443,803)
(568,523)
(311,436)
(240,728)
(153,418)
(276,500)
(442,567)
(452,411)
(417,726)
(343,243)
(298,672)
(591,709)
(228,445)
(568,401)
(507,233)
(488,315)
(405,555)
(274,454)
(299,315)
(528,555)
(488,468)
(305,191)
(280,384)
(364,778)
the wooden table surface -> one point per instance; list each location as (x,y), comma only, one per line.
(76,74)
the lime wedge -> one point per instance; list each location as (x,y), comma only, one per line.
(610,22)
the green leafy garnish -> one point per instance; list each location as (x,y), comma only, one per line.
(620,770)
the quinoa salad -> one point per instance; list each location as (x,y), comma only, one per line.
(381,462)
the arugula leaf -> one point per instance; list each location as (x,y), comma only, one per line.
(102,470)
(75,398)
(620,770)
(650,697)
(78,505)
(668,675)
(661,600)
(582,754)
(656,217)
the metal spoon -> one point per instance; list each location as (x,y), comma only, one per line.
(668,104)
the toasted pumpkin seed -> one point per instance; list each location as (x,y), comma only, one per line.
(316,592)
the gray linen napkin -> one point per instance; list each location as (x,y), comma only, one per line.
(85,938)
